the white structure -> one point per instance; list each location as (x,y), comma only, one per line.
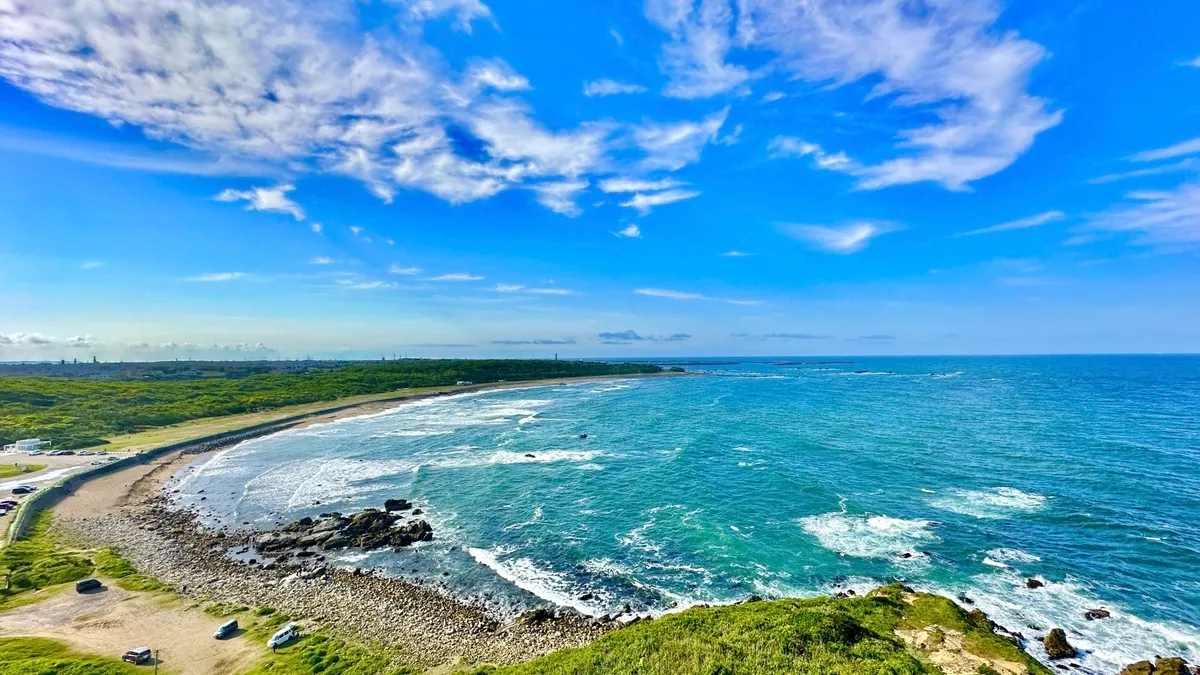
(27,445)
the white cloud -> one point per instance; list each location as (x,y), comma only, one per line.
(736,254)
(296,86)
(25,340)
(550,291)
(632,232)
(265,199)
(495,74)
(321,260)
(619,185)
(694,58)
(317,228)
(1161,218)
(464,11)
(373,285)
(790,146)
(1019,224)
(668,293)
(673,146)
(1195,63)
(842,239)
(608,87)
(456,276)
(645,202)
(616,36)
(91,264)
(1191,147)
(217,277)
(356,230)
(560,196)
(508,288)
(946,59)
(1188,164)
(772,96)
(397,269)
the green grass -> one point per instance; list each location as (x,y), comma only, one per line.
(77,412)
(10,470)
(110,564)
(820,636)
(222,610)
(37,562)
(327,655)
(39,656)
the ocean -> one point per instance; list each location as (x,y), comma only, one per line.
(784,477)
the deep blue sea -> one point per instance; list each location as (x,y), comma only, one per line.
(786,477)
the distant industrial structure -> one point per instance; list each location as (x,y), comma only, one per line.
(27,445)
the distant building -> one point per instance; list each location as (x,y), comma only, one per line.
(463,383)
(27,445)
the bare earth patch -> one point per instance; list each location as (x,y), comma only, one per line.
(944,648)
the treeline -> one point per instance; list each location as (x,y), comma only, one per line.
(75,413)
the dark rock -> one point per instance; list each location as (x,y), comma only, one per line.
(1033,583)
(299,525)
(583,435)
(979,618)
(965,600)
(752,598)
(1057,646)
(534,616)
(1139,668)
(1171,666)
(531,455)
(585,597)
(417,512)
(397,505)
(336,541)
(1093,614)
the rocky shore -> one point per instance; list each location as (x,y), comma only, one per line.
(431,627)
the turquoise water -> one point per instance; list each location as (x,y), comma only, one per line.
(960,475)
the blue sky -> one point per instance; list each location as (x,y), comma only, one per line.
(452,178)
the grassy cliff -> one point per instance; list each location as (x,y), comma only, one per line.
(890,631)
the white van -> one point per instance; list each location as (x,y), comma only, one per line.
(283,636)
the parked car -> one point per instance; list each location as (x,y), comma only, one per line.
(86,585)
(226,629)
(23,489)
(8,504)
(283,636)
(137,655)
(85,453)
(98,463)
(3,512)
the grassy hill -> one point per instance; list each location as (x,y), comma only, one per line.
(890,631)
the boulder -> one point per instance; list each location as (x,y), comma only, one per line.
(1093,614)
(397,505)
(315,538)
(299,525)
(337,541)
(534,617)
(1139,668)
(1033,583)
(1171,666)
(1057,646)
(329,525)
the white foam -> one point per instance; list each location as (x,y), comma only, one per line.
(590,467)
(1106,645)
(996,502)
(548,585)
(867,536)
(537,517)
(504,457)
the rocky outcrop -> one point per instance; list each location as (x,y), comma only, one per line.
(1093,614)
(1161,666)
(1057,646)
(1033,583)
(368,529)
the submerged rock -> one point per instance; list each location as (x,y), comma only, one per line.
(1093,614)
(1033,583)
(1057,646)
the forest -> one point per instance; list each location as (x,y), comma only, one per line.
(76,412)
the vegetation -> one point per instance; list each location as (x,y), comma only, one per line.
(222,609)
(39,656)
(76,412)
(112,565)
(819,636)
(37,562)
(323,654)
(8,471)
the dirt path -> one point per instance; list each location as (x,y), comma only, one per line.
(108,494)
(112,621)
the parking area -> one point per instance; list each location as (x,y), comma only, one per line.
(53,468)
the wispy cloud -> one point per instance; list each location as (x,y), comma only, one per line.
(317,228)
(790,146)
(670,294)
(674,145)
(736,254)
(91,264)
(546,342)
(840,239)
(881,337)
(559,196)
(550,291)
(644,203)
(772,96)
(373,285)
(408,271)
(1191,147)
(455,276)
(694,58)
(631,232)
(508,288)
(1019,224)
(1189,164)
(265,199)
(627,337)
(217,277)
(619,185)
(782,336)
(611,87)
(321,260)
(1194,63)
(1159,218)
